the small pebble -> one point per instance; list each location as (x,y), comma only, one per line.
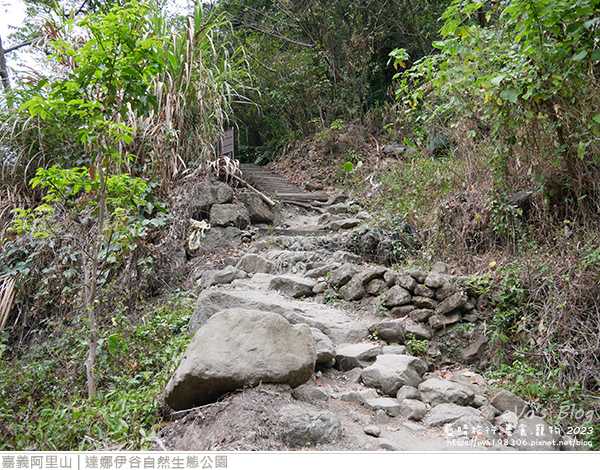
(374,431)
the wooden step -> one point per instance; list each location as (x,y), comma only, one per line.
(269,182)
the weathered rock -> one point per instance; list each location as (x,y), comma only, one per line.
(216,239)
(508,401)
(413,409)
(209,193)
(440,268)
(342,275)
(310,393)
(373,272)
(229,215)
(390,372)
(394,349)
(253,263)
(454,302)
(396,296)
(258,210)
(320,288)
(417,275)
(321,271)
(339,198)
(325,220)
(421,315)
(354,289)
(479,400)
(293,286)
(440,321)
(377,287)
(474,352)
(323,346)
(435,280)
(448,413)
(472,380)
(391,331)
(406,281)
(419,331)
(303,426)
(445,291)
(534,434)
(359,397)
(406,392)
(401,311)
(356,355)
(238,348)
(344,224)
(424,291)
(213,278)
(338,209)
(373,430)
(334,323)
(437,391)
(389,405)
(390,277)
(425,302)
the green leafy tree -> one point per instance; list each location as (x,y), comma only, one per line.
(527,72)
(108,75)
(318,61)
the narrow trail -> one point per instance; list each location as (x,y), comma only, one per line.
(366,417)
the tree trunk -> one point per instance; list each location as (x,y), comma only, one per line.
(3,69)
(93,285)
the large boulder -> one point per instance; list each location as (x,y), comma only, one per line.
(209,193)
(508,401)
(356,355)
(216,239)
(436,391)
(391,331)
(333,322)
(238,348)
(448,413)
(223,276)
(451,303)
(340,276)
(229,215)
(397,296)
(258,209)
(392,371)
(353,290)
(253,263)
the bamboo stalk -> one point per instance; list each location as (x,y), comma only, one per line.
(7,296)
